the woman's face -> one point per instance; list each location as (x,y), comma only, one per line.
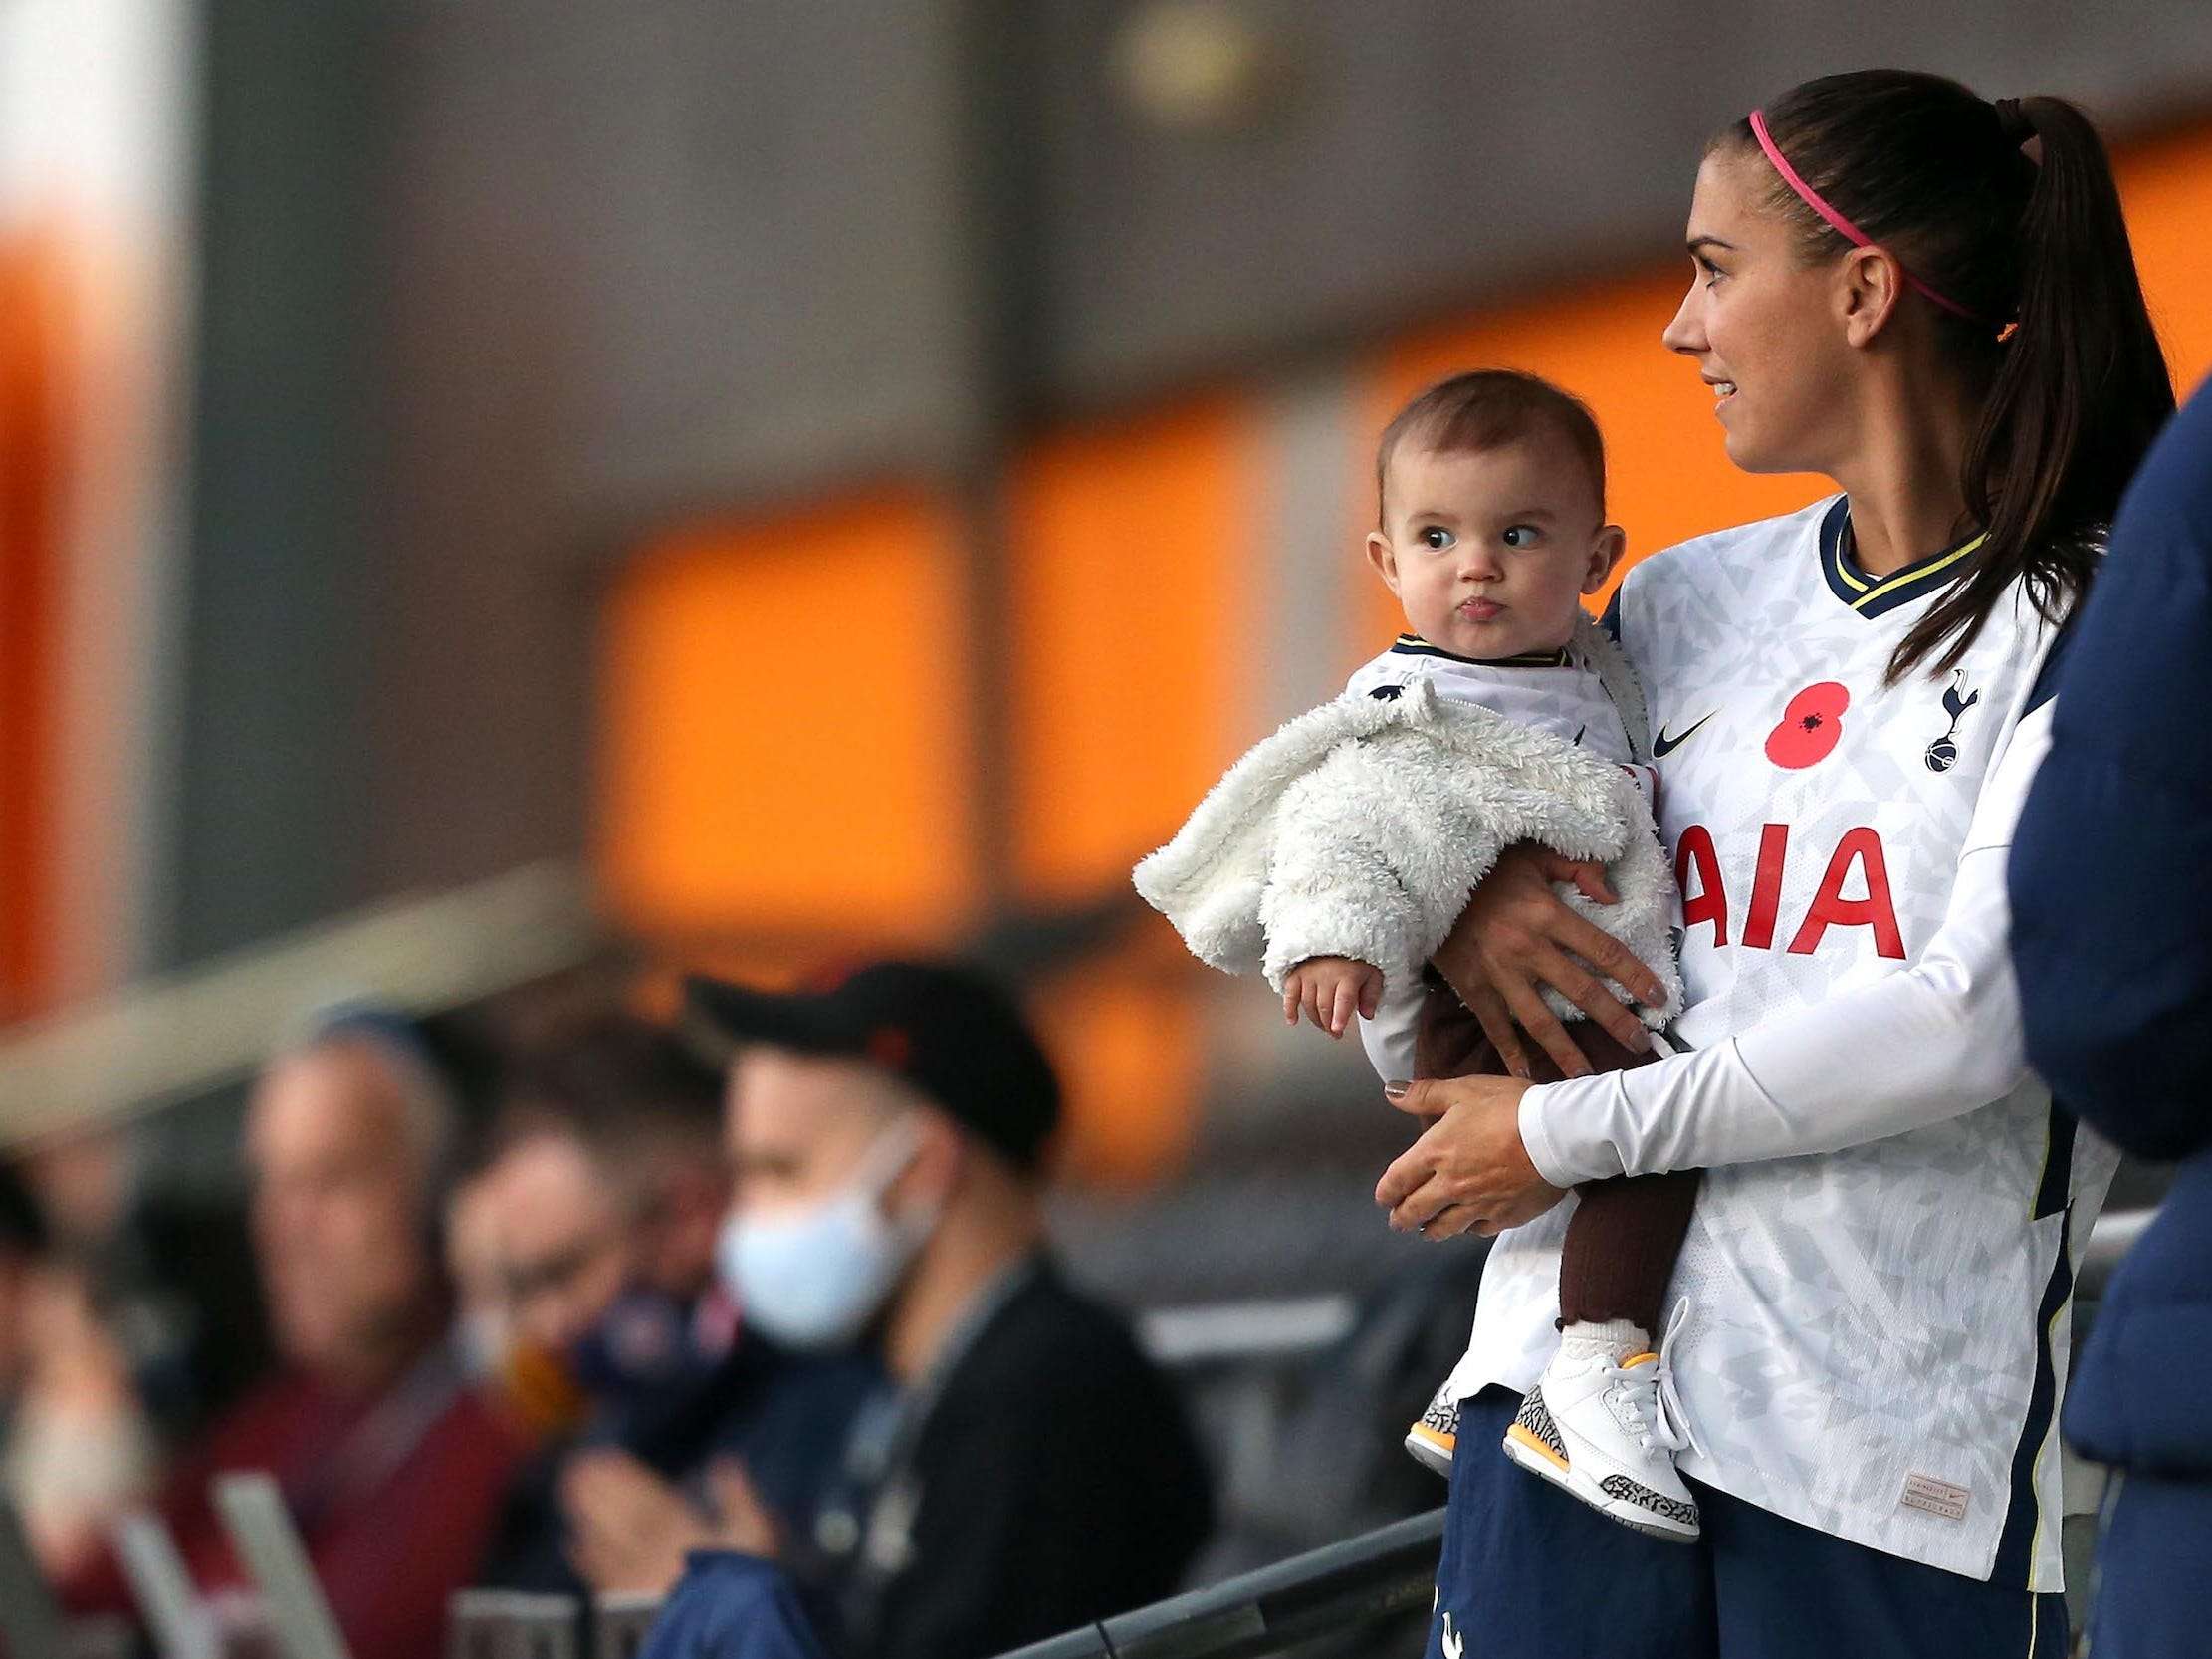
(1764,329)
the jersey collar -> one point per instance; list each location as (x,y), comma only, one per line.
(1874,596)
(1412,644)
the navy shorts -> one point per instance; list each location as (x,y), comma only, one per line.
(1529,1572)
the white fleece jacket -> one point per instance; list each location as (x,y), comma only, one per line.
(1359,828)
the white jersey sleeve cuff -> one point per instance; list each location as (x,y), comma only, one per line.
(1567,1101)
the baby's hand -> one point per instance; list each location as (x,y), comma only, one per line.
(1330,988)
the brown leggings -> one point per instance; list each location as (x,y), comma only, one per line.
(1621,1240)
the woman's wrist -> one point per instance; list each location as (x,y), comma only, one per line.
(1544,1152)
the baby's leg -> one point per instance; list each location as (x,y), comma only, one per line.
(1602,1422)
(1619,1253)
(1595,1424)
(1620,1250)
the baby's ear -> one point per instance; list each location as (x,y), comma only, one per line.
(1383,558)
(1605,553)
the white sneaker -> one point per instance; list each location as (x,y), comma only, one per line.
(1434,1439)
(1604,1423)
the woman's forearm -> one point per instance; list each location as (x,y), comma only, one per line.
(1917,1047)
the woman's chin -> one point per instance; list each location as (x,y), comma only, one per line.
(1749,455)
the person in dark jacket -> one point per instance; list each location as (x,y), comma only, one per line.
(1030,1471)
(2111,902)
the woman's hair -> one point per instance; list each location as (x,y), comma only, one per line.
(2038,252)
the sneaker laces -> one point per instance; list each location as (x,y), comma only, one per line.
(1648,1392)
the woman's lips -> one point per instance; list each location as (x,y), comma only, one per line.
(1480,610)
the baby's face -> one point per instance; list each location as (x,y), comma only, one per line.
(1490,551)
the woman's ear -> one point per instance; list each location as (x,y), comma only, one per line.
(1867,296)
(1383,558)
(1605,554)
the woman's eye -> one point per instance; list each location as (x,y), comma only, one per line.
(1714,273)
(1522,535)
(1435,536)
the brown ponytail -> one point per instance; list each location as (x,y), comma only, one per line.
(2078,385)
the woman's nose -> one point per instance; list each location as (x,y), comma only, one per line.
(1687,332)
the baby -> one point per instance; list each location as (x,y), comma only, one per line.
(1337,854)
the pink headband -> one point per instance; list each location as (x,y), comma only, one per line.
(1844,227)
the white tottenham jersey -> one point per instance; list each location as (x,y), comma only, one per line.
(1880,1268)
(1549,691)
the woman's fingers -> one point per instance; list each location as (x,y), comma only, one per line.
(1453,1221)
(1412,1168)
(1422,1206)
(1586,876)
(1496,1020)
(1583,987)
(1544,1028)
(1424,1098)
(1609,956)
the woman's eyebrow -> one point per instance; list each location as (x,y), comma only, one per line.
(1699,243)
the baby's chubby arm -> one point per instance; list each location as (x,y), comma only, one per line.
(1329,990)
(1365,867)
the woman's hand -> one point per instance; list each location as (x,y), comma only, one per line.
(1516,935)
(1469,1173)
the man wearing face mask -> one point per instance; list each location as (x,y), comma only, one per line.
(1030,1471)
(606,1189)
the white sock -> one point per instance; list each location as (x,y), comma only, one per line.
(1618,1337)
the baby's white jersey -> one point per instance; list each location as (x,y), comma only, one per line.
(1882,1263)
(1550,691)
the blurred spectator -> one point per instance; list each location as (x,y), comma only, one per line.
(166,1273)
(610,1195)
(76,1449)
(23,1246)
(392,1468)
(1031,1471)
(601,1210)
(2112,888)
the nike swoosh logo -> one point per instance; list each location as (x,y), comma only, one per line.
(1664,746)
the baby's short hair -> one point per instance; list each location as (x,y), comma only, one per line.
(1488,408)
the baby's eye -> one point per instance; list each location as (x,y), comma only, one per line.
(1435,536)
(1522,536)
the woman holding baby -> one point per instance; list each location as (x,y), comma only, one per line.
(1929,298)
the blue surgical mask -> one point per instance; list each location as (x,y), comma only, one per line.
(816,1279)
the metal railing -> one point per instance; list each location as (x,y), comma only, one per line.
(1324,1592)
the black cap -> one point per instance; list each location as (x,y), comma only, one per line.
(950,1031)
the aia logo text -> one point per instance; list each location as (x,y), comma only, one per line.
(1857,862)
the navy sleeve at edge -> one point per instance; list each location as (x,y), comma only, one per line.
(2111,865)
